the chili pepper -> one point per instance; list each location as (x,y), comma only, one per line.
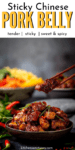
(18,111)
(3,82)
(66,147)
(12,104)
(72,147)
(2,125)
(14,111)
(0,147)
(7,144)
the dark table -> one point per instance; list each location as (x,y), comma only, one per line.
(21,144)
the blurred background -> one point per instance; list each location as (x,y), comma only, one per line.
(43,57)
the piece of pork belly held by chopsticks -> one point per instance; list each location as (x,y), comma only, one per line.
(53,82)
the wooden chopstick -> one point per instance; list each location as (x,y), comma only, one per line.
(63,71)
(38,87)
(64,81)
(67,79)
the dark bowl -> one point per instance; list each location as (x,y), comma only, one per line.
(17,93)
(46,135)
(62,93)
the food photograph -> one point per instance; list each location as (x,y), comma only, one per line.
(37,94)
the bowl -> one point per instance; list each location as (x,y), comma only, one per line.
(62,93)
(17,93)
(46,135)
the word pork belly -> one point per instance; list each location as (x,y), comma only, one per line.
(44,19)
(17,20)
(48,19)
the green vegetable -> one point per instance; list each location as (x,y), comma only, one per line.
(48,107)
(4,135)
(73,148)
(42,103)
(70,144)
(26,106)
(3,73)
(1,107)
(5,115)
(6,98)
(1,76)
(59,117)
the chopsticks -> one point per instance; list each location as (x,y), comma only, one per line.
(73,66)
(67,79)
(52,83)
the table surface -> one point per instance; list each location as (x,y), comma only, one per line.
(21,144)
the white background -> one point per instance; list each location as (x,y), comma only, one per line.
(70,32)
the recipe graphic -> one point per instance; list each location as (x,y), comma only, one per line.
(37,75)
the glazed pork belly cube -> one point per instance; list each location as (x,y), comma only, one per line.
(57,124)
(40,106)
(49,115)
(23,118)
(33,116)
(40,128)
(61,114)
(22,126)
(18,116)
(44,123)
(30,127)
(54,109)
(13,125)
